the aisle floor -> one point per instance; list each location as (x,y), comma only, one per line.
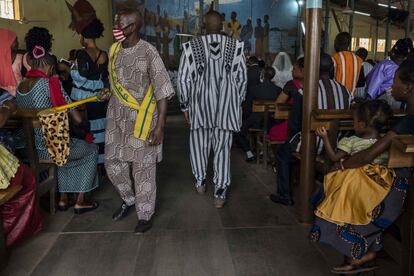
(250,236)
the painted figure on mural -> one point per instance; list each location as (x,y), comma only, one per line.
(259,35)
(165,45)
(266,29)
(234,26)
(225,30)
(158,29)
(178,40)
(246,36)
(186,26)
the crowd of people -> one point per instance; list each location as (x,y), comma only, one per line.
(216,86)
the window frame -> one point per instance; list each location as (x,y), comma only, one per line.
(16,11)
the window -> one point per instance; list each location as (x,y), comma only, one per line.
(393,43)
(381,45)
(354,44)
(9,9)
(365,43)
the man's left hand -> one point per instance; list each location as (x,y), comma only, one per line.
(156,136)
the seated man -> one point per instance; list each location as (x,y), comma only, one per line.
(331,95)
(265,91)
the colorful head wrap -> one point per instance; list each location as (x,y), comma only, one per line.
(7,77)
(83,14)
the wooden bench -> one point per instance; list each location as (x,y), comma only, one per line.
(28,121)
(401,247)
(260,135)
(5,195)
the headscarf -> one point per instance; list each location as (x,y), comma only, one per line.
(83,14)
(283,67)
(8,79)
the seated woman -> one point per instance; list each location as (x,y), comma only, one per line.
(279,129)
(360,242)
(21,214)
(346,190)
(40,90)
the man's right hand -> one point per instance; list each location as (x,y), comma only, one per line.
(187,117)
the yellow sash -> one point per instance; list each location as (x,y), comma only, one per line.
(145,110)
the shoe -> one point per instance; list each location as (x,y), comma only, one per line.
(83,210)
(122,212)
(219,202)
(143,226)
(281,200)
(251,159)
(201,190)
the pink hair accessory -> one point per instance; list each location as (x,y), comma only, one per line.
(39,52)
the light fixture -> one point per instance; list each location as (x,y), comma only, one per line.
(362,13)
(303,27)
(386,6)
(300,2)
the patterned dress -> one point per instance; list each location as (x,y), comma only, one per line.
(130,162)
(79,173)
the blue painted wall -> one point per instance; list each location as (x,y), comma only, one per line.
(283,15)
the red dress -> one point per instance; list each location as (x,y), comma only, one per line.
(279,132)
(21,214)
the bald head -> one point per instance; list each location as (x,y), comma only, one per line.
(128,19)
(213,22)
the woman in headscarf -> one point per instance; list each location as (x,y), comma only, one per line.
(381,78)
(21,214)
(10,61)
(283,66)
(89,75)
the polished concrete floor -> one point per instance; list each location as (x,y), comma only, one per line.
(250,236)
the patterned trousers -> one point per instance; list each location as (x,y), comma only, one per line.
(202,140)
(136,184)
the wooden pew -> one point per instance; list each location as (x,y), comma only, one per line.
(27,120)
(260,135)
(401,248)
(281,112)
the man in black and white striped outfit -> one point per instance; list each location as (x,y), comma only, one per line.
(212,86)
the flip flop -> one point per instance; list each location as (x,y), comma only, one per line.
(79,211)
(355,269)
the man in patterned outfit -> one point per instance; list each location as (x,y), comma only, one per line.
(131,161)
(212,86)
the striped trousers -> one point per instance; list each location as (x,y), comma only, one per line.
(202,141)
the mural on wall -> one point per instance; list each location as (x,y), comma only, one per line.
(266,26)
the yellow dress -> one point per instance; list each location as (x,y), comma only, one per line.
(351,195)
(9,165)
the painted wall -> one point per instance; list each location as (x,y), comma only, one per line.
(58,18)
(283,16)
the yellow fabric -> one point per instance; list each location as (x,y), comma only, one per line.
(352,195)
(145,110)
(9,165)
(235,29)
